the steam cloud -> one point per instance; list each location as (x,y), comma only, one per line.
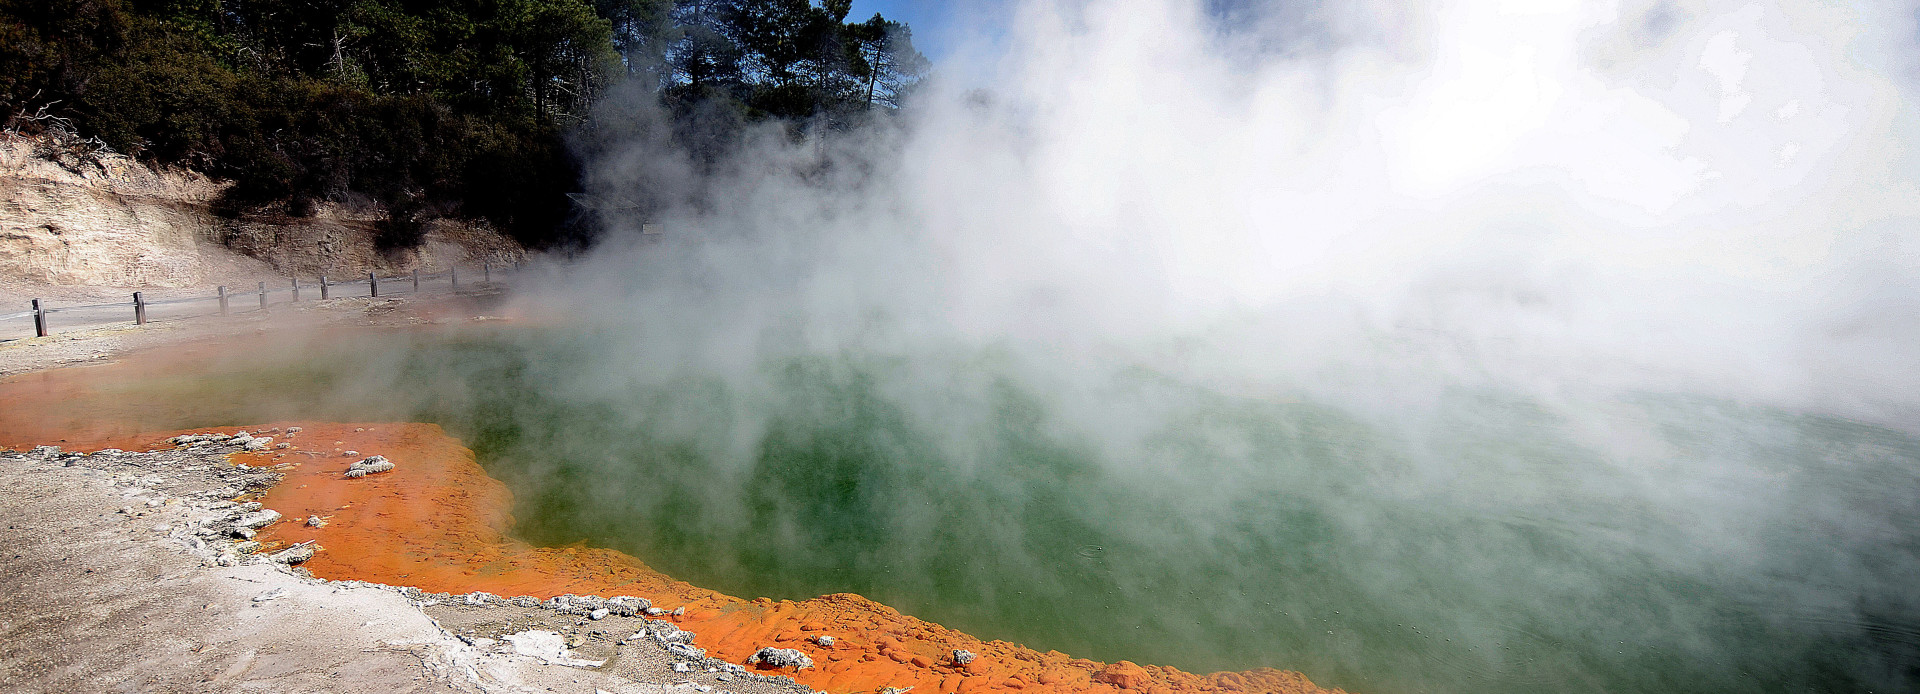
(1635,194)
(1678,235)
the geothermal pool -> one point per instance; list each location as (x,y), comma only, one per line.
(1484,541)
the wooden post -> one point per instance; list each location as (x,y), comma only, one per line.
(416,280)
(296,290)
(486,271)
(223,298)
(373,284)
(39,320)
(323,287)
(263,295)
(139,309)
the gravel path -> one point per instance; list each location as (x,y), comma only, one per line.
(75,346)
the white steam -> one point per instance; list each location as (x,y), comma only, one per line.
(1670,195)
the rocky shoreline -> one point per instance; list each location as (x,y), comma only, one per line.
(138,570)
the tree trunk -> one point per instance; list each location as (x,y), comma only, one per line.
(873,76)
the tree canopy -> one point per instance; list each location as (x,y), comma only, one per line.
(426,108)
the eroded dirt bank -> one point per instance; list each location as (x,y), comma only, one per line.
(439,523)
(108,220)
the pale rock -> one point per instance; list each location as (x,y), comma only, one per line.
(480,599)
(667,632)
(294,555)
(257,519)
(627,605)
(780,657)
(549,647)
(369,465)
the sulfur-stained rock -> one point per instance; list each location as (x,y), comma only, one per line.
(1124,674)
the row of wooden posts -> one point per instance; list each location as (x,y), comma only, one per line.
(140,303)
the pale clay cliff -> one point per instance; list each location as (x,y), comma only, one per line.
(114,222)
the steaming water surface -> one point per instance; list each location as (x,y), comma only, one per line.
(1655,542)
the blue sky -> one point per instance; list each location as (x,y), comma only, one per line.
(939,27)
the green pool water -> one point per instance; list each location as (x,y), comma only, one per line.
(1480,541)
